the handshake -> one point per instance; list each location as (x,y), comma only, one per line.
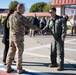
(40,32)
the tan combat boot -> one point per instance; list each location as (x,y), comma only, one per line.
(53,65)
(21,71)
(9,70)
(59,69)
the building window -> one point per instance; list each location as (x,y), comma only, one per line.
(70,10)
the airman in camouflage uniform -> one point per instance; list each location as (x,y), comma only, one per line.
(17,23)
(57,26)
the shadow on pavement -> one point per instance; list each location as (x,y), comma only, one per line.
(67,68)
(45,73)
(46,64)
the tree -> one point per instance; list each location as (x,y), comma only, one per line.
(13,5)
(37,7)
(47,7)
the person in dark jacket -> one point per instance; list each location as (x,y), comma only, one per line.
(34,21)
(5,39)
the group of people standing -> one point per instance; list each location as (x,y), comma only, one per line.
(39,22)
(34,20)
(15,23)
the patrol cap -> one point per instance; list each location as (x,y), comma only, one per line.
(53,8)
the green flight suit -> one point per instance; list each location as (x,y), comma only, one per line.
(58,30)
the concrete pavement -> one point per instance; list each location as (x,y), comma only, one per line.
(36,56)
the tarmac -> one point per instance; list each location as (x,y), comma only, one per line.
(36,57)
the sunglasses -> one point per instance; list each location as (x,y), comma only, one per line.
(50,11)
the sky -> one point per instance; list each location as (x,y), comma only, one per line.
(27,3)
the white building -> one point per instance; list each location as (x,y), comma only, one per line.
(67,7)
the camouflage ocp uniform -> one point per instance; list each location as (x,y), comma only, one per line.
(58,29)
(17,23)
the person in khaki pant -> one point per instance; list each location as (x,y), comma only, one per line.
(17,23)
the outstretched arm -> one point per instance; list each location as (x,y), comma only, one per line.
(27,23)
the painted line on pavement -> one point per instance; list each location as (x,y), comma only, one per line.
(37,55)
(45,46)
(69,40)
(71,43)
(46,56)
(48,45)
(70,60)
(69,49)
(26,51)
(38,47)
